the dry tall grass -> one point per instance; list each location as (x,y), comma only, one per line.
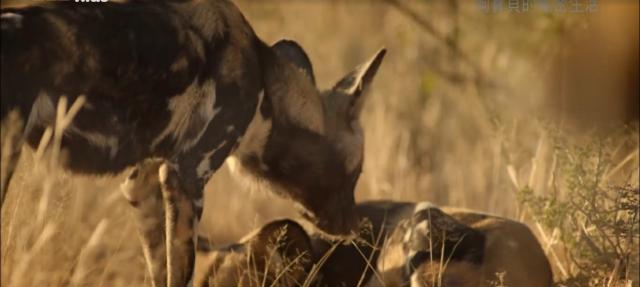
(438,127)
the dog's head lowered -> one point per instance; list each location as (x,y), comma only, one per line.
(308,143)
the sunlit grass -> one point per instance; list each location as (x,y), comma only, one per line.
(429,136)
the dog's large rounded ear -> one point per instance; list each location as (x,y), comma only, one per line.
(286,237)
(294,53)
(356,83)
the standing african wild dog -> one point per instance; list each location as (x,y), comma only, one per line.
(409,244)
(190,82)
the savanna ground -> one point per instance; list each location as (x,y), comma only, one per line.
(530,115)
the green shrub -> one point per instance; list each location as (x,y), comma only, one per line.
(592,207)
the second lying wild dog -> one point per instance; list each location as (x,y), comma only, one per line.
(455,247)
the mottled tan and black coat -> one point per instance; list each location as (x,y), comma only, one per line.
(188,82)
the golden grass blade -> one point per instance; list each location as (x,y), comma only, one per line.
(63,120)
(620,165)
(19,274)
(376,246)
(289,265)
(316,267)
(557,260)
(44,142)
(367,260)
(47,185)
(80,271)
(73,111)
(513,175)
(110,260)
(9,234)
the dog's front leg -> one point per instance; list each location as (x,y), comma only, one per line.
(179,224)
(142,190)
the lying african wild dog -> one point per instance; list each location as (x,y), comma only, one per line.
(189,82)
(277,254)
(457,247)
(417,245)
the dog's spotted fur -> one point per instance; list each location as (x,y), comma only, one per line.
(454,247)
(142,190)
(184,81)
(277,254)
(155,190)
(409,244)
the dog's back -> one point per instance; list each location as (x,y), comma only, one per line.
(476,249)
(510,248)
(153,76)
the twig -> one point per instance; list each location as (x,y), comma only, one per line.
(447,41)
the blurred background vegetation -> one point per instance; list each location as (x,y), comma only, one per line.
(531,115)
